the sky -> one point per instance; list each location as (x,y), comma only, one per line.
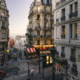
(18,20)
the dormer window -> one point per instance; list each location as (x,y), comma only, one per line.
(38,0)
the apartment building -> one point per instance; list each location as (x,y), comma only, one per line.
(4,30)
(40,25)
(67,37)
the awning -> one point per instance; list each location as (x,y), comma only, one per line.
(30,50)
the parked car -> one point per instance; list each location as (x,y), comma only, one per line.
(2,74)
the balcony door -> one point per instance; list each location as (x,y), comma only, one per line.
(3,24)
(38,33)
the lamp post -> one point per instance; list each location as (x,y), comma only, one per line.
(6,58)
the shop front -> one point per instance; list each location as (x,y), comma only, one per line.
(61,68)
(31,53)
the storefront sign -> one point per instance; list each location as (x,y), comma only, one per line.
(51,60)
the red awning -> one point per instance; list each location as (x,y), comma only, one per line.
(30,50)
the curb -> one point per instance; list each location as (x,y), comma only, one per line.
(6,67)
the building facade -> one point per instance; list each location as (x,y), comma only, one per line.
(40,26)
(20,44)
(67,37)
(4,30)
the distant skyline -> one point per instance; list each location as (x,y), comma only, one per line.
(18,20)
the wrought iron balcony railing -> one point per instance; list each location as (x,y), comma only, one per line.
(30,29)
(62,18)
(45,19)
(62,54)
(3,17)
(71,15)
(63,36)
(74,72)
(3,28)
(57,20)
(37,28)
(51,20)
(72,58)
(75,14)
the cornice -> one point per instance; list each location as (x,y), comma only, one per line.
(68,21)
(67,44)
(62,5)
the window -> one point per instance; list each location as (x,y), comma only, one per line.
(44,24)
(63,49)
(38,9)
(71,8)
(3,24)
(75,7)
(70,30)
(24,41)
(50,9)
(44,17)
(45,1)
(38,17)
(38,33)
(38,24)
(44,8)
(38,0)
(3,35)
(75,30)
(38,42)
(73,52)
(51,24)
(57,16)
(63,32)
(63,12)
(57,32)
(44,33)
(2,13)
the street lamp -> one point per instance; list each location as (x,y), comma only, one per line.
(6,58)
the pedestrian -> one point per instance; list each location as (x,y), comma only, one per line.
(32,72)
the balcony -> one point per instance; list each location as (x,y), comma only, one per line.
(51,20)
(30,22)
(57,20)
(75,14)
(62,1)
(52,28)
(30,14)
(2,49)
(46,28)
(45,20)
(3,28)
(72,58)
(74,72)
(57,3)
(37,36)
(70,15)
(47,36)
(62,54)
(62,18)
(37,19)
(30,36)
(3,18)
(29,29)
(63,36)
(38,28)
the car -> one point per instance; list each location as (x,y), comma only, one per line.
(2,74)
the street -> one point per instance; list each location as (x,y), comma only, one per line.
(22,67)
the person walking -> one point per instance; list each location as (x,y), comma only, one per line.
(32,72)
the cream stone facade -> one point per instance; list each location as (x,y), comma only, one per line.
(41,22)
(4,29)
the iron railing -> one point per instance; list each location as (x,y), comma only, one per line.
(62,18)
(75,14)
(63,36)
(3,28)
(72,58)
(3,17)
(62,54)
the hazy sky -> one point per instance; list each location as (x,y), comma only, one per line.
(18,20)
